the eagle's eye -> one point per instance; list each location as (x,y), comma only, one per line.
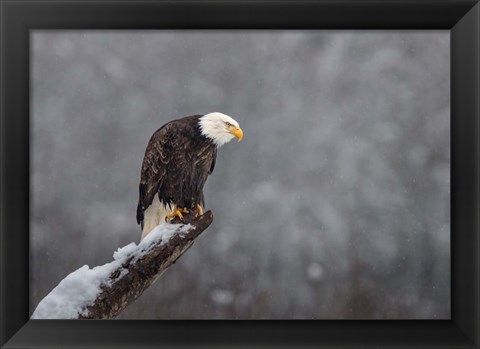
(228,124)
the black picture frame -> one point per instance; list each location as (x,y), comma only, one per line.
(18,17)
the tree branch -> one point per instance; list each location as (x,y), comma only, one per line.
(144,272)
(137,271)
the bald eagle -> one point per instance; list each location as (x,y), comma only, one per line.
(179,157)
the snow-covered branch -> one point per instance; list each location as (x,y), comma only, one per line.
(104,291)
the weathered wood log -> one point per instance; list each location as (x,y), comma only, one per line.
(144,271)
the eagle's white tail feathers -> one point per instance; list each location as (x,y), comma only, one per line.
(154,215)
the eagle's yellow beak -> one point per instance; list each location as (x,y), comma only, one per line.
(237,132)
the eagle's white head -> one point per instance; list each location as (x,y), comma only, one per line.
(220,128)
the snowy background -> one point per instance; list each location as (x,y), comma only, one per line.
(334,206)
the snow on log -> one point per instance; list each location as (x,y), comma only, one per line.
(104,291)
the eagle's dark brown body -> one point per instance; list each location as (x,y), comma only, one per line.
(177,162)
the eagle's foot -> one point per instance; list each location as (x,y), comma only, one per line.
(177,212)
(199,210)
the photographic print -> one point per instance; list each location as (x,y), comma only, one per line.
(324,157)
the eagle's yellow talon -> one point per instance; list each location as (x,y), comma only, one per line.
(177,212)
(200,210)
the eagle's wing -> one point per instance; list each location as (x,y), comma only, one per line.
(154,166)
(214,159)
